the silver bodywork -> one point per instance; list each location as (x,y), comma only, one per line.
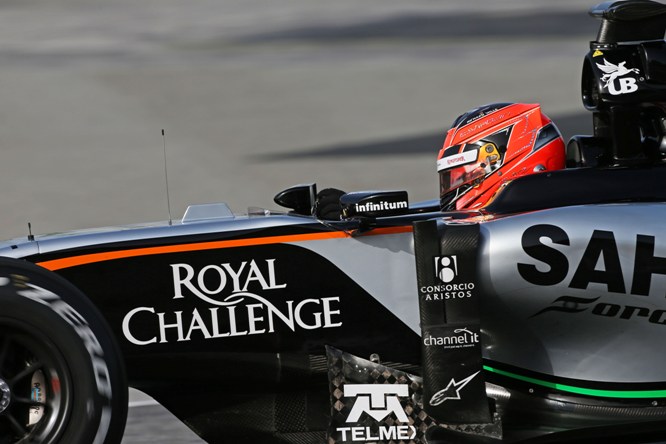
(610,343)
(618,341)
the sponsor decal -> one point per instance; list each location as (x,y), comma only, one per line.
(457,159)
(378,401)
(374,203)
(381,205)
(616,79)
(574,305)
(599,266)
(480,125)
(600,263)
(236,307)
(481,114)
(446,272)
(446,268)
(37,396)
(459,338)
(452,391)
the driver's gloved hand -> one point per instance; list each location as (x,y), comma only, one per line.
(328,204)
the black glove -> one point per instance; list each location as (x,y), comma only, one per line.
(328,204)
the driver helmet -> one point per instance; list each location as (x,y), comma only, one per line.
(493,144)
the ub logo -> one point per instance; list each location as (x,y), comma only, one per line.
(614,76)
(446,268)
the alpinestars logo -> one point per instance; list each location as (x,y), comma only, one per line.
(452,391)
(377,401)
(446,271)
(615,77)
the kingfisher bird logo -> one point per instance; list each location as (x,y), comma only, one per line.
(623,85)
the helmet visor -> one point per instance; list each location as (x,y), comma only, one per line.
(467,168)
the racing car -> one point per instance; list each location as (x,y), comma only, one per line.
(526,305)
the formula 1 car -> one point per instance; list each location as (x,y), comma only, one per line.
(535,318)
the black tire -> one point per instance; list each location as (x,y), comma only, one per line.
(62,379)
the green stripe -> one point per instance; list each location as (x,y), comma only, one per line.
(581,390)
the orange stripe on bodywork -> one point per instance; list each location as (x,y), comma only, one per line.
(68,262)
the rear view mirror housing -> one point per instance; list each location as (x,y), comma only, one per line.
(299,198)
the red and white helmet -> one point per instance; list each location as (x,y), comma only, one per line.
(491,145)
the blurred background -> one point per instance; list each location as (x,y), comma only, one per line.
(255,96)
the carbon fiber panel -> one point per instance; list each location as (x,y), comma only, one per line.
(453,382)
(348,369)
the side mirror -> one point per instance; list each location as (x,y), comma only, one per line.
(373,204)
(299,198)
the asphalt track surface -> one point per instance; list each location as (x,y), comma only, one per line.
(255,96)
